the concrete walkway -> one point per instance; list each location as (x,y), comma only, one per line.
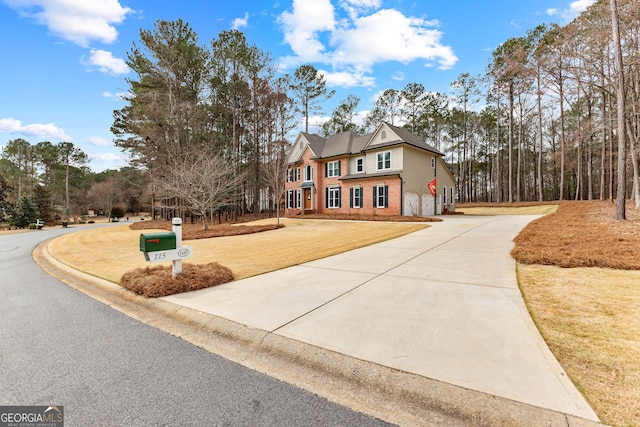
(442,303)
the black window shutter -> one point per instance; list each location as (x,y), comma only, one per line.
(374,196)
(340,197)
(351,197)
(326,197)
(326,170)
(386,196)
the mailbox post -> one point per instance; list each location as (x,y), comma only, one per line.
(158,247)
(177,229)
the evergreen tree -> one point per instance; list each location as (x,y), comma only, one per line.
(24,214)
(310,89)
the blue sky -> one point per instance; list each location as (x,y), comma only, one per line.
(63,60)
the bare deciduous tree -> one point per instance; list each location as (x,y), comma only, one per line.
(206,183)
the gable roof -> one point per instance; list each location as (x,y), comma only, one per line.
(316,143)
(304,140)
(403,136)
(349,143)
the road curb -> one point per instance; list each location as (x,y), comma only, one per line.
(395,396)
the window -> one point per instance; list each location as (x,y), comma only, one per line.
(444,195)
(360,165)
(383,134)
(451,197)
(433,163)
(333,197)
(289,199)
(381,196)
(355,197)
(299,199)
(293,175)
(308,173)
(332,169)
(384,160)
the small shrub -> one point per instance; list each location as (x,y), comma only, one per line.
(157,281)
(117,211)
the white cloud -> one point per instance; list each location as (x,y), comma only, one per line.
(100,142)
(361,39)
(388,35)
(347,78)
(364,3)
(106,62)
(572,12)
(38,130)
(240,22)
(79,21)
(103,161)
(356,7)
(301,28)
(107,158)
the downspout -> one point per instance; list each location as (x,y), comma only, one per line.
(435,197)
(401,196)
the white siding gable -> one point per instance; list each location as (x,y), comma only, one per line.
(383,135)
(298,149)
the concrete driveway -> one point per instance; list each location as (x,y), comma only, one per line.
(442,303)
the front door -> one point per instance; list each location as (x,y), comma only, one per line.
(306,194)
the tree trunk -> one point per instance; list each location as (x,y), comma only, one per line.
(622,140)
(498,174)
(562,142)
(634,163)
(603,149)
(540,186)
(510,172)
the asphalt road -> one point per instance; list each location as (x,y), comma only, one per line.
(61,347)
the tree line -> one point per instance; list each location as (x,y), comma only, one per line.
(54,183)
(555,117)
(540,124)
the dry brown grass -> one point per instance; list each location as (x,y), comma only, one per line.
(157,281)
(590,319)
(589,316)
(110,252)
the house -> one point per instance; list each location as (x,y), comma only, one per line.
(390,172)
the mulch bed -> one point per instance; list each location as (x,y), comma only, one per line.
(194,231)
(155,282)
(347,217)
(582,234)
